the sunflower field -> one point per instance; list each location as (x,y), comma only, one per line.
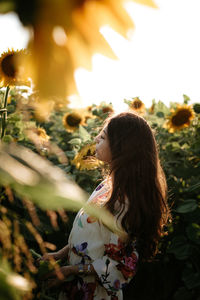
(47,162)
(31,222)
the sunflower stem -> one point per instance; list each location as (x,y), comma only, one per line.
(4,114)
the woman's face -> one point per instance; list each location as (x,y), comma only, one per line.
(102,146)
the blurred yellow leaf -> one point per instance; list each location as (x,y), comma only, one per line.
(150,3)
(65,35)
(36,178)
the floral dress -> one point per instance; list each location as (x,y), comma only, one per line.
(90,242)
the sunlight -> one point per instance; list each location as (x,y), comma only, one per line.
(159,61)
(110,80)
(155,63)
(13,35)
(105,79)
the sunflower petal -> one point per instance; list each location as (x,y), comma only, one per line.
(150,3)
(89,34)
(118,18)
(52,64)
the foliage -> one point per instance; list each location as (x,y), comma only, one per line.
(25,225)
(175,274)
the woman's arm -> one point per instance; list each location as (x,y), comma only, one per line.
(62,253)
(56,278)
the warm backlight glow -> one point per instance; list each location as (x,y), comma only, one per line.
(159,61)
(104,82)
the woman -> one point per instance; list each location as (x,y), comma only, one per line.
(135,193)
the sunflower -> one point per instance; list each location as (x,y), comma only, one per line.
(66,34)
(152,108)
(12,68)
(85,159)
(180,118)
(137,105)
(107,109)
(42,135)
(72,120)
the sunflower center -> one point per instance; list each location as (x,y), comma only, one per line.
(8,66)
(182,117)
(106,109)
(41,133)
(89,153)
(137,104)
(73,119)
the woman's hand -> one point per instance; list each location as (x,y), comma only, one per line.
(47,257)
(62,253)
(50,256)
(57,277)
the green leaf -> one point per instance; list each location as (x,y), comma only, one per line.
(183,294)
(161,107)
(175,145)
(127,101)
(6,6)
(186,99)
(193,232)
(75,141)
(84,134)
(191,278)
(196,108)
(188,206)
(193,187)
(70,154)
(179,247)
(35,254)
(160,114)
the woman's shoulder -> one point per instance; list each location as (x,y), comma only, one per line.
(105,183)
(101,192)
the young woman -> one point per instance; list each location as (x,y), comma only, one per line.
(135,193)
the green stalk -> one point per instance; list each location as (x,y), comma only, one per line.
(4,113)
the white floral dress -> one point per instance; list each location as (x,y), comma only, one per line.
(90,242)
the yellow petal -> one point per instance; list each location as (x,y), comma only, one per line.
(89,34)
(150,3)
(119,19)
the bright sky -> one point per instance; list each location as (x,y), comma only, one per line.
(161,61)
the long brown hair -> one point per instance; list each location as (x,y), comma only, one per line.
(138,177)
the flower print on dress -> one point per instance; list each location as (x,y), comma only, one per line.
(99,187)
(127,270)
(117,284)
(82,251)
(101,198)
(115,251)
(91,219)
(108,262)
(126,257)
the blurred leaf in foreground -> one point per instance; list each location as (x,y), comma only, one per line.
(35,178)
(12,285)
